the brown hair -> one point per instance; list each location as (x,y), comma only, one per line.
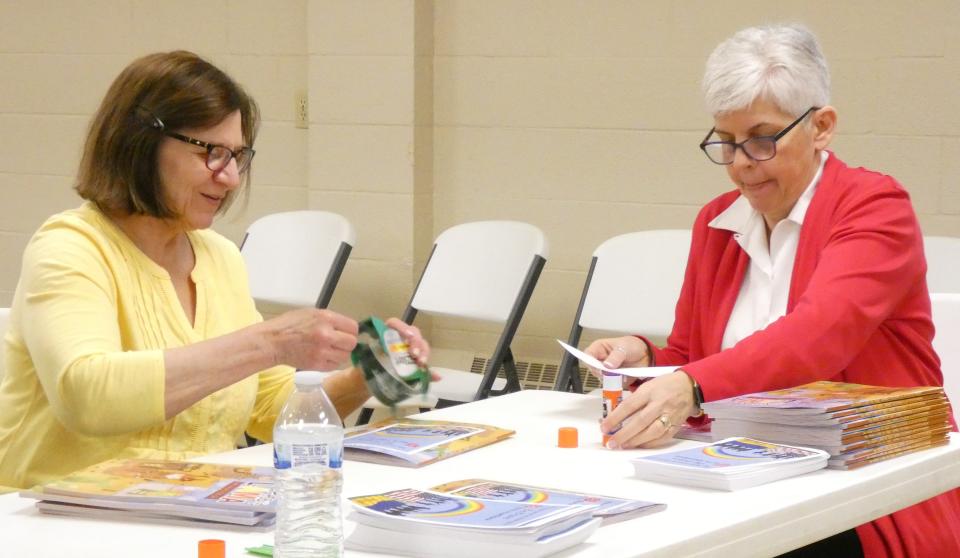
(119,170)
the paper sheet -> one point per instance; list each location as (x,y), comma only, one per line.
(644,372)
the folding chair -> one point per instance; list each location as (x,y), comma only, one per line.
(485,270)
(946,320)
(943,260)
(295,258)
(632,287)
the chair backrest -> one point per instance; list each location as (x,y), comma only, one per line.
(635,282)
(946,320)
(943,259)
(632,287)
(485,270)
(295,258)
(477,270)
(4,321)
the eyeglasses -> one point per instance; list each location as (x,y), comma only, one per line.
(760,148)
(218,156)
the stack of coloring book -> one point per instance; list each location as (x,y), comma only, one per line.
(178,492)
(856,424)
(482,518)
(730,464)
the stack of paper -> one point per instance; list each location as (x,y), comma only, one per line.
(856,424)
(730,464)
(165,492)
(428,524)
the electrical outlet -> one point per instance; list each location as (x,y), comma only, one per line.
(301,116)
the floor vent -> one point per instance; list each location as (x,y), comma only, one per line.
(538,375)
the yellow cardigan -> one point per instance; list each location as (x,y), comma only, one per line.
(91,317)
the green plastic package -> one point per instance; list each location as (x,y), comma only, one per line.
(391,374)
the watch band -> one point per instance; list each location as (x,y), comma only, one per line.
(697,396)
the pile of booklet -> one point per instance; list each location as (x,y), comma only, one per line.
(480,518)
(160,491)
(856,424)
(730,464)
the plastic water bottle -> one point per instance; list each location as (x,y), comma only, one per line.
(307,453)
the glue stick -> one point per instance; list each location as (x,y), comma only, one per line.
(612,396)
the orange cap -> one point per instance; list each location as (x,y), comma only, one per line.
(211,548)
(567,437)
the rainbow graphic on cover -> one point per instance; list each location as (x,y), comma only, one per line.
(604,507)
(732,452)
(454,510)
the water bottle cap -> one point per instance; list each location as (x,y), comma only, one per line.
(308,378)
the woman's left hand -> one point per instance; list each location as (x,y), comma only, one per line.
(651,415)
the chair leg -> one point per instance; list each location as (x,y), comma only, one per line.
(568,375)
(510,368)
(510,371)
(365,414)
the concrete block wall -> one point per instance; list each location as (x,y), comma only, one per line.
(57,60)
(579,117)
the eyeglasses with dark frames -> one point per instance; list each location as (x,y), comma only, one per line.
(218,156)
(760,148)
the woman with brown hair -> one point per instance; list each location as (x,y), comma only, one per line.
(132,331)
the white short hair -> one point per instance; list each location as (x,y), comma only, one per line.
(782,64)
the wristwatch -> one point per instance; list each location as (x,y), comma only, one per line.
(697,396)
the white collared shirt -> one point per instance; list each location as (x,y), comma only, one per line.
(766,286)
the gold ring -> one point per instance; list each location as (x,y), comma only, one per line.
(665,421)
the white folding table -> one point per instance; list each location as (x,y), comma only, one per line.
(760,521)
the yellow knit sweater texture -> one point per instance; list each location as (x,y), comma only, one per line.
(91,317)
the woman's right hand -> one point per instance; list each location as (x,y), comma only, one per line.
(312,339)
(618,352)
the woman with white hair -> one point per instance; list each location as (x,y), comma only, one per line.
(808,270)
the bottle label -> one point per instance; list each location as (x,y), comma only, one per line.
(286,456)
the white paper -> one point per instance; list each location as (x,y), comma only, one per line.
(643,372)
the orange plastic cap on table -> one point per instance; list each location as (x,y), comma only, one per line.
(567,437)
(211,548)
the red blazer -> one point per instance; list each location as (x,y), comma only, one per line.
(858,311)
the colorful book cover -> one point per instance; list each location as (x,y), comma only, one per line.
(169,482)
(418,507)
(817,397)
(412,442)
(732,452)
(602,506)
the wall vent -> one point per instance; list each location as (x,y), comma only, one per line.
(538,375)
